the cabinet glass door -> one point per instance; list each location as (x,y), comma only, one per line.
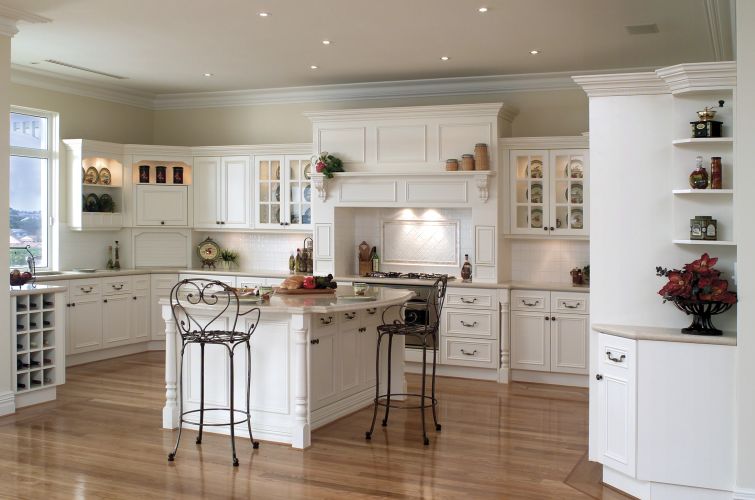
(299,200)
(529,191)
(569,192)
(269,192)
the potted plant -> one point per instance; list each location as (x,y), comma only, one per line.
(326,164)
(698,289)
(228,258)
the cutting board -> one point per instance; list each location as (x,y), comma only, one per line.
(305,291)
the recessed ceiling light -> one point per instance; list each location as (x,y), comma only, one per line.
(482,9)
(313,67)
(264,14)
(535,52)
(208,74)
(444,58)
(326,42)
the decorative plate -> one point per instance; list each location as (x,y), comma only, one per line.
(307,217)
(104,176)
(575,169)
(576,218)
(91,176)
(536,169)
(106,203)
(208,252)
(277,173)
(537,218)
(576,194)
(537,193)
(83,174)
(307,194)
(92,203)
(308,171)
(277,195)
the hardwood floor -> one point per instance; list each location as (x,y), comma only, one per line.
(102,439)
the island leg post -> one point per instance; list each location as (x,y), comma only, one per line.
(170,410)
(300,432)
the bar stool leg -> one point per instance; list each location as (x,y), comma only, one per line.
(201,395)
(233,440)
(388,382)
(422,398)
(172,455)
(368,434)
(255,444)
(434,401)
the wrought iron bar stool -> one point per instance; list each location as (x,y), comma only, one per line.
(423,327)
(218,326)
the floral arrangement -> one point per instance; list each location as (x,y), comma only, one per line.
(696,282)
(326,164)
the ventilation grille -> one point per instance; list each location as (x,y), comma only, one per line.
(88,70)
(642,29)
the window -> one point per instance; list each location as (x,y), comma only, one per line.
(33,157)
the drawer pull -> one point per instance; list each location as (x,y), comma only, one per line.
(530,304)
(371,310)
(465,353)
(326,321)
(468,301)
(118,287)
(350,315)
(570,306)
(87,290)
(314,341)
(620,359)
(468,325)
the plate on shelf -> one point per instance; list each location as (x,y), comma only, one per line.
(537,193)
(106,203)
(536,169)
(104,176)
(575,169)
(307,217)
(92,203)
(91,176)
(576,194)
(307,194)
(536,218)
(576,218)
(308,171)
(277,195)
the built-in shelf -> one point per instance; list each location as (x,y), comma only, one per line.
(703,140)
(106,186)
(705,242)
(703,192)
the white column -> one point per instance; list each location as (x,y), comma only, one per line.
(170,410)
(744,208)
(300,433)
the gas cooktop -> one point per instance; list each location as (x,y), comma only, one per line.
(407,276)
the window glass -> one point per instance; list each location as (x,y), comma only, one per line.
(28,209)
(28,131)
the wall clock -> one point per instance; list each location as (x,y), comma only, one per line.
(208,252)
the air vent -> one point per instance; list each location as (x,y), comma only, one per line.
(642,29)
(80,68)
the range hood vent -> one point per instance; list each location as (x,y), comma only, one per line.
(88,70)
(642,29)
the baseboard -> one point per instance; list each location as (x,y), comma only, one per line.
(456,371)
(341,408)
(741,494)
(622,482)
(156,345)
(550,378)
(103,354)
(7,403)
(36,397)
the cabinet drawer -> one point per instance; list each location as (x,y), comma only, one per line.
(112,286)
(466,352)
(249,282)
(81,288)
(570,302)
(227,280)
(530,300)
(348,317)
(617,354)
(470,324)
(475,298)
(140,282)
(164,283)
(324,320)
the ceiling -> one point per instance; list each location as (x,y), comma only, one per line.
(166,46)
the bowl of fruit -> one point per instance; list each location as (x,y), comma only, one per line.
(18,278)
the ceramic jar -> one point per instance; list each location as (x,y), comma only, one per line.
(452,165)
(467,162)
(481,156)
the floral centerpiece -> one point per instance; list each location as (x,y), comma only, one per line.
(326,164)
(698,289)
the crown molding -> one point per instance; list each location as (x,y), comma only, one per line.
(718,16)
(9,18)
(645,83)
(78,86)
(698,77)
(497,109)
(560,142)
(305,148)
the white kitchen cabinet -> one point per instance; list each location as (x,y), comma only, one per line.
(160,288)
(84,317)
(141,325)
(116,320)
(324,385)
(469,328)
(222,189)
(349,338)
(569,343)
(368,345)
(530,341)
(283,192)
(162,205)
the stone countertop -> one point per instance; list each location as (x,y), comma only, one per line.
(456,283)
(661,334)
(29,290)
(326,303)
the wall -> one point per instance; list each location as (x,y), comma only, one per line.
(257,252)
(541,113)
(744,207)
(6,385)
(547,261)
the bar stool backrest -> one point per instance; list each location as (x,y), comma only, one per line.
(435,301)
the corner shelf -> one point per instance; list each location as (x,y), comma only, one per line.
(705,242)
(703,192)
(703,140)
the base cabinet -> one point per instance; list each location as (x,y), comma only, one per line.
(469,328)
(116,320)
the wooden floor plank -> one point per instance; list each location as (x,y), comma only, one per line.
(102,439)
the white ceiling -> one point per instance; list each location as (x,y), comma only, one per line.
(165,46)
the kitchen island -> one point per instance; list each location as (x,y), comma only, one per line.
(312,362)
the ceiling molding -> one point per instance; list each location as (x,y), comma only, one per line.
(697,77)
(506,112)
(717,14)
(9,18)
(645,83)
(78,86)
(562,142)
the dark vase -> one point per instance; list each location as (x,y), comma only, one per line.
(178,175)
(161,174)
(702,313)
(144,174)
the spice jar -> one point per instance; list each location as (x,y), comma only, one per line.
(452,165)
(715,173)
(698,179)
(481,156)
(467,162)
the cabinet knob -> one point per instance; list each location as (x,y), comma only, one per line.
(134,298)
(598,377)
(553,318)
(547,318)
(551,228)
(222,222)
(105,301)
(162,222)
(73,304)
(217,222)
(545,228)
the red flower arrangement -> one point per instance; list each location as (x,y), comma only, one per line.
(699,290)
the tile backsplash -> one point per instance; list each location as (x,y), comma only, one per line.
(257,251)
(547,260)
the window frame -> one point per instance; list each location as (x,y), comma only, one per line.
(52,155)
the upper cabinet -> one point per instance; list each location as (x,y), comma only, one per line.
(548,189)
(283,191)
(162,206)
(222,190)
(97,178)
(162,180)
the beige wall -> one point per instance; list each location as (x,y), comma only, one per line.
(540,114)
(87,118)
(7,386)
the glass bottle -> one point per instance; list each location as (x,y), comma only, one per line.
(716,173)
(698,179)
(375,259)
(117,262)
(466,270)
(110,257)
(292,263)
(298,262)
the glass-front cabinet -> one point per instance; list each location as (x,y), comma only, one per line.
(549,192)
(283,190)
